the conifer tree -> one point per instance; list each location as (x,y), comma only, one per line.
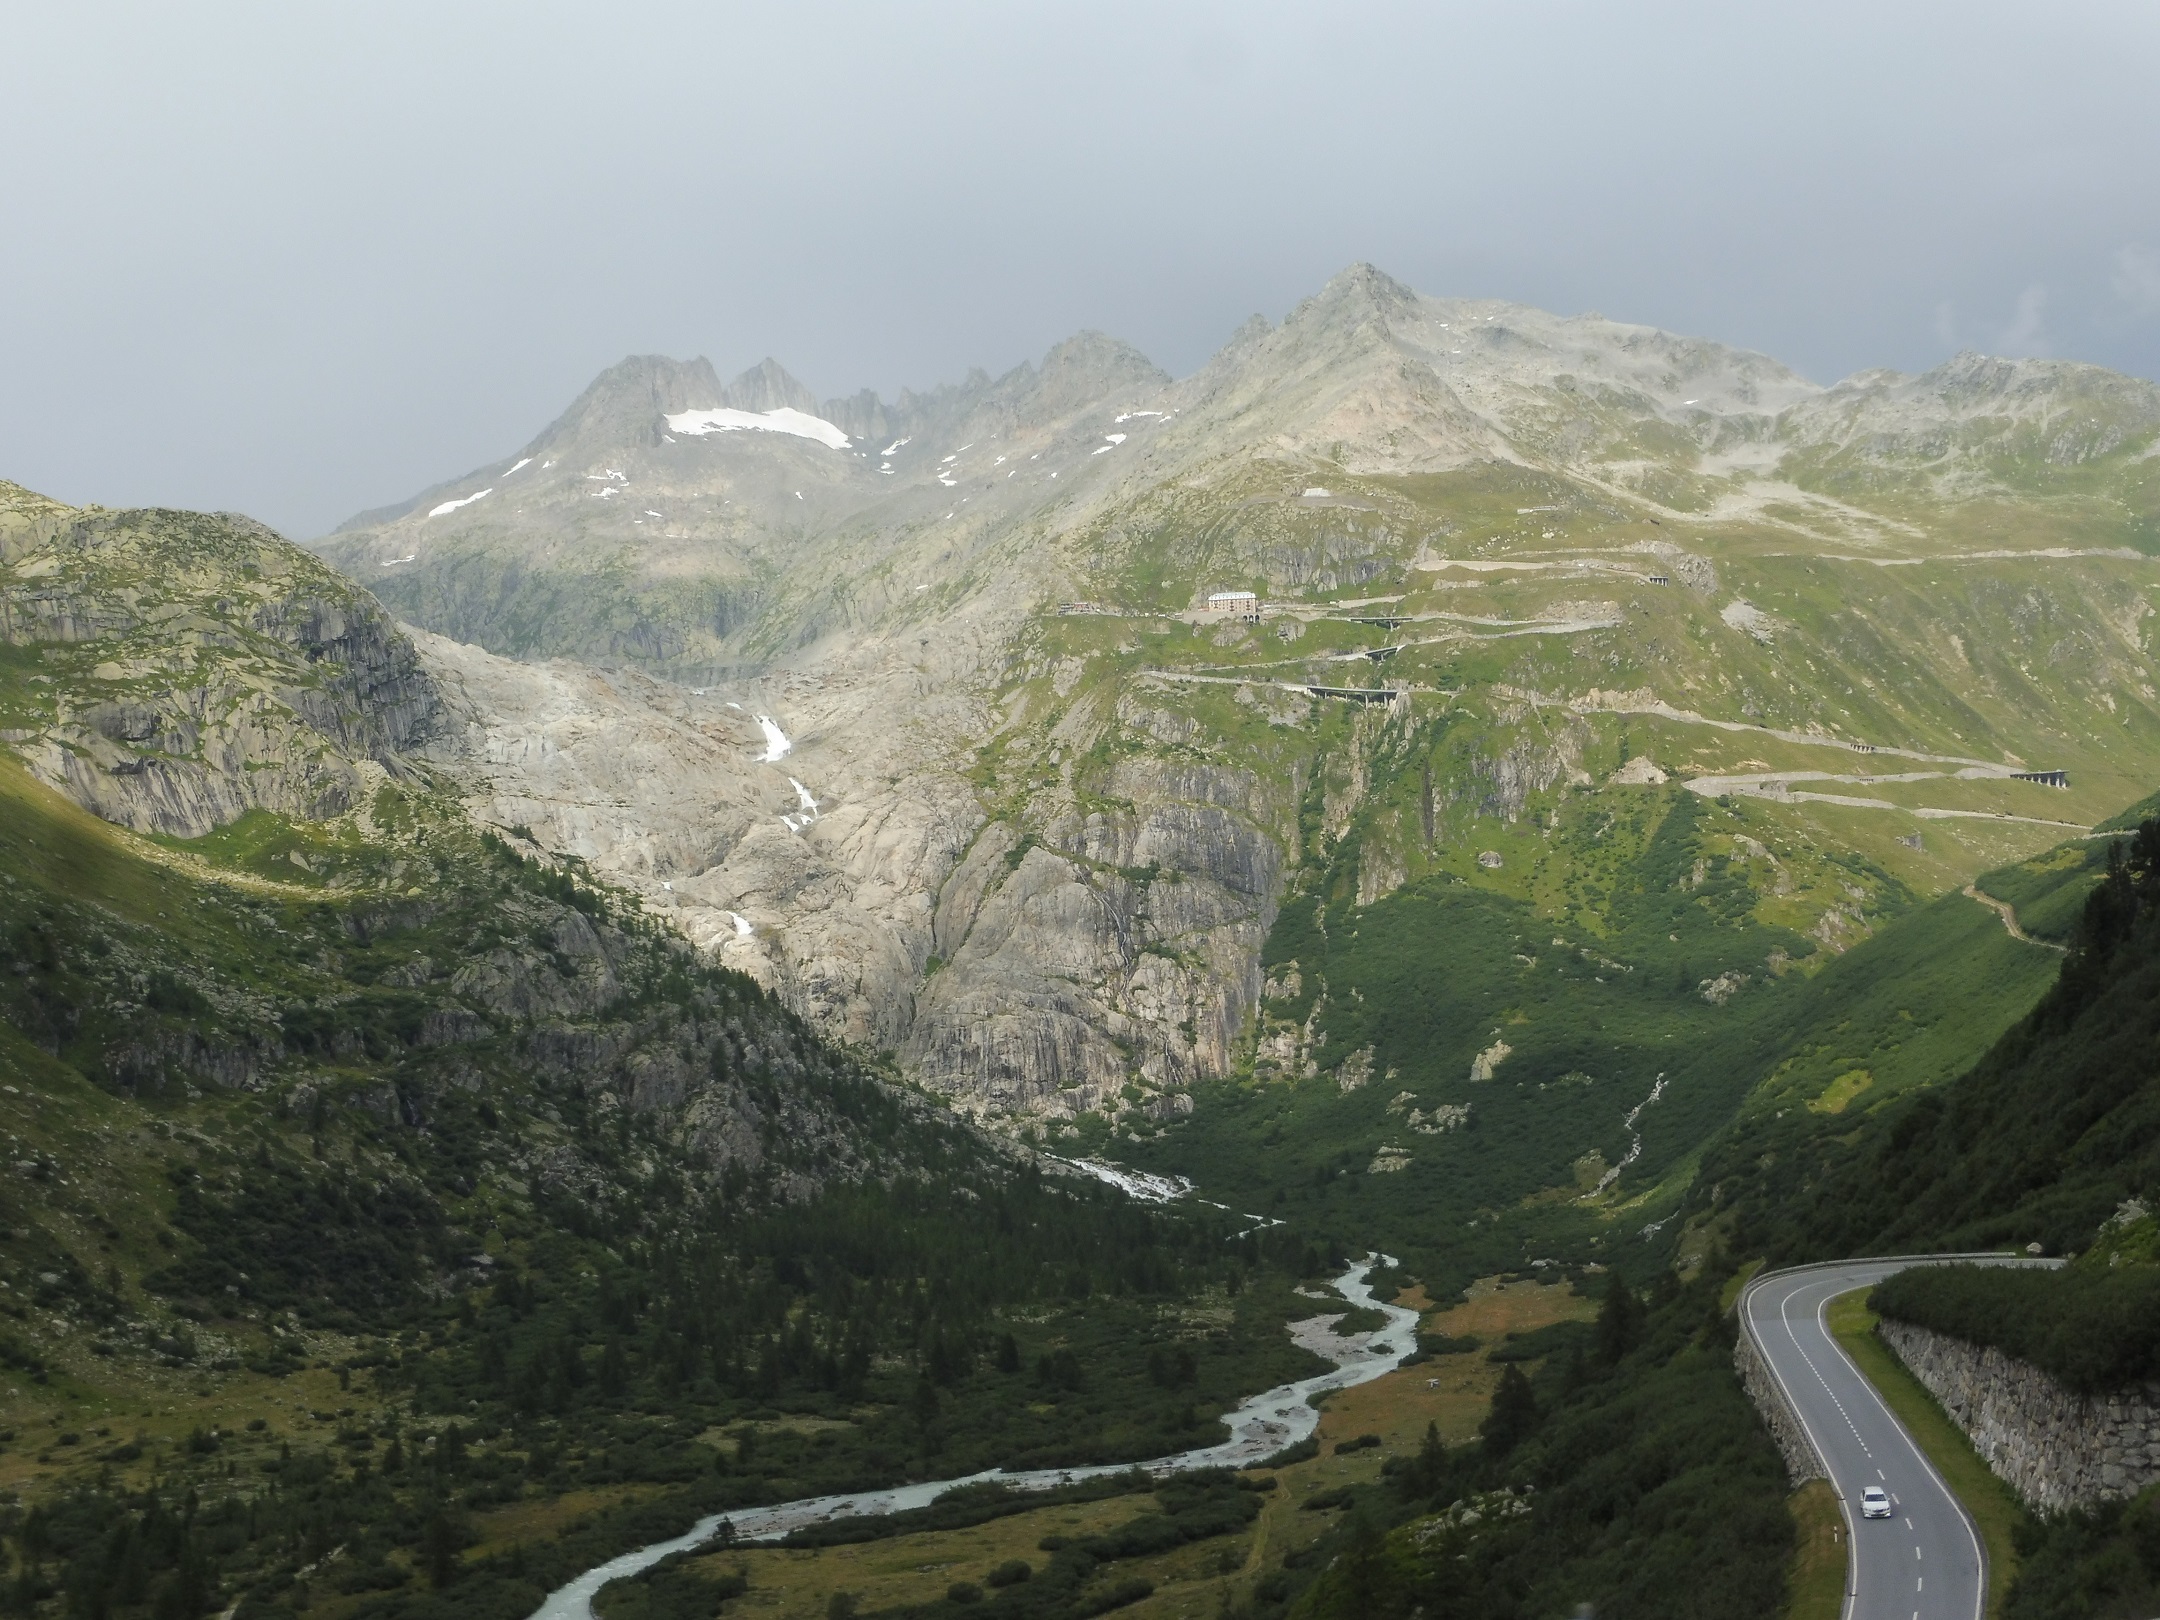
(1513,1416)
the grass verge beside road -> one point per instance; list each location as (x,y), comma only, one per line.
(1815,1579)
(1991,1503)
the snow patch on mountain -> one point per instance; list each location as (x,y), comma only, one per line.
(452,506)
(784,419)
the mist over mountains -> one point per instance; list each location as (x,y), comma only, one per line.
(759,947)
(1569,510)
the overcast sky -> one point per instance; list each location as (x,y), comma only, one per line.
(297,260)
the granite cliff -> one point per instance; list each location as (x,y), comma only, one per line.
(1034,804)
(184,668)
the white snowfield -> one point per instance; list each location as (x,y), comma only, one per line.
(785,419)
(452,506)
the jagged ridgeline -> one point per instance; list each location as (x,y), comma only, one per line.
(398,1217)
(1524,584)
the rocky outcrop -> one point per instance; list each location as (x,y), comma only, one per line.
(1122,948)
(2057,1450)
(1029,930)
(1029,969)
(196,667)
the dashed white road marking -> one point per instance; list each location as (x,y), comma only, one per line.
(1784,1313)
(1834,1401)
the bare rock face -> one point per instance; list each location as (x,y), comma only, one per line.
(874,699)
(195,667)
(1123,947)
(794,833)
(804,835)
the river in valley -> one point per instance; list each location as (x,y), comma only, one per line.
(1261,1426)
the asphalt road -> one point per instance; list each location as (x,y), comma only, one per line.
(1925,1561)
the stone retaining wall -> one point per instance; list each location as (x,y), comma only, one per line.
(2055,1449)
(1801,1463)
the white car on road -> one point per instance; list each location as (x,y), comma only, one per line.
(1874,1503)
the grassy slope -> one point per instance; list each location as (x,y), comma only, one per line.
(2041,1141)
(1432,975)
(159,1291)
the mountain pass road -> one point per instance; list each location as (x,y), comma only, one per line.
(1924,1562)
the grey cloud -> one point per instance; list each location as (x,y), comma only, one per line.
(2137,279)
(2026,332)
(302,260)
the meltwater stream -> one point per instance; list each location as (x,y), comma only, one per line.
(1261,1426)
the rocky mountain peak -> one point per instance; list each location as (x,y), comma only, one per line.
(1968,381)
(767,386)
(1092,367)
(1360,293)
(623,400)
(26,517)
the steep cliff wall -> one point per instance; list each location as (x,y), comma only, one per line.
(2057,1450)
(979,618)
(191,667)
(1119,945)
